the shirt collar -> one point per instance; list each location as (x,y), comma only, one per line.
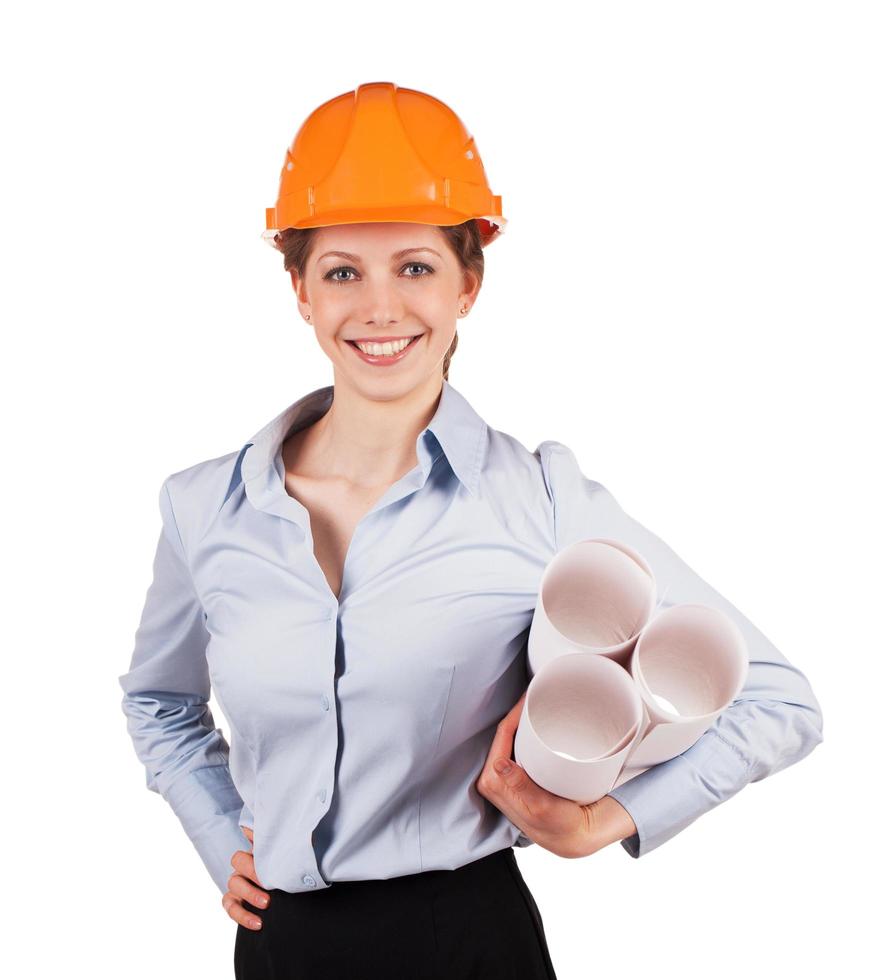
(459,431)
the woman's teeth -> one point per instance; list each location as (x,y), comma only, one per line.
(383,350)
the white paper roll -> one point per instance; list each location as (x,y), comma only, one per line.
(689,663)
(580,718)
(595,596)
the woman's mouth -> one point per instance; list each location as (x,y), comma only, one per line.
(386,353)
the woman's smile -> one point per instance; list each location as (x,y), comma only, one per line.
(387,351)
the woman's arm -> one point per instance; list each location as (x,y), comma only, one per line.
(166,695)
(773,722)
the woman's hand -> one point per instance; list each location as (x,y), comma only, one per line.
(240,887)
(561,826)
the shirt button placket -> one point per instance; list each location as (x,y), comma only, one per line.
(307,879)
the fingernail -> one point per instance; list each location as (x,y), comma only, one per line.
(255,923)
(503,766)
(262,900)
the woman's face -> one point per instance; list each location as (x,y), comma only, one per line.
(381,282)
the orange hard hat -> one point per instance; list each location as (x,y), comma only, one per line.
(384,153)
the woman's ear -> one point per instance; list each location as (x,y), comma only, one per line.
(299,287)
(471,286)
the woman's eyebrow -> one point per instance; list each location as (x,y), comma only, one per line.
(397,255)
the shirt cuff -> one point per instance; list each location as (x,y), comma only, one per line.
(208,805)
(668,797)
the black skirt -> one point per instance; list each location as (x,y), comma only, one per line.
(476,922)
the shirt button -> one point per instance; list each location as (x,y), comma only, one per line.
(322,795)
(308,880)
(325,703)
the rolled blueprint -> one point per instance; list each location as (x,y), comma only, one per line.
(689,663)
(581,716)
(677,671)
(595,596)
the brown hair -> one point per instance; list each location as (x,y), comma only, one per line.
(465,240)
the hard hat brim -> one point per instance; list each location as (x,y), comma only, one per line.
(424,215)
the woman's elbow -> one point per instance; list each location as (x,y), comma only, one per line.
(796,730)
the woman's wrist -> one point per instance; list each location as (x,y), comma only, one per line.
(610,823)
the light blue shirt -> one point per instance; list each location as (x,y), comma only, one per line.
(359,727)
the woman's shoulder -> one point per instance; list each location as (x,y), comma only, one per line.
(198,492)
(539,478)
(559,464)
(549,461)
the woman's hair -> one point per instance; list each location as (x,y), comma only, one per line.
(465,239)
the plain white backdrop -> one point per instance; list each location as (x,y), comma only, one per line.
(682,295)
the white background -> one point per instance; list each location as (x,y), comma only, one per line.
(682,295)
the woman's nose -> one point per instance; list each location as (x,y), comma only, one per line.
(381,305)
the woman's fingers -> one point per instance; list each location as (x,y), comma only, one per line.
(237,911)
(502,745)
(243,863)
(241,887)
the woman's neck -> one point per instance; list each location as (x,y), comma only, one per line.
(365,441)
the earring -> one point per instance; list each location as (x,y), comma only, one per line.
(463,311)
(307,316)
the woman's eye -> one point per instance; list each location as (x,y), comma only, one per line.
(417,265)
(333,274)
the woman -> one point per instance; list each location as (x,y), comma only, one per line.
(356,584)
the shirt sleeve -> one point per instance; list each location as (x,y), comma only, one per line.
(773,722)
(166,694)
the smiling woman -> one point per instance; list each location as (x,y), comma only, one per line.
(356,585)
(463,241)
